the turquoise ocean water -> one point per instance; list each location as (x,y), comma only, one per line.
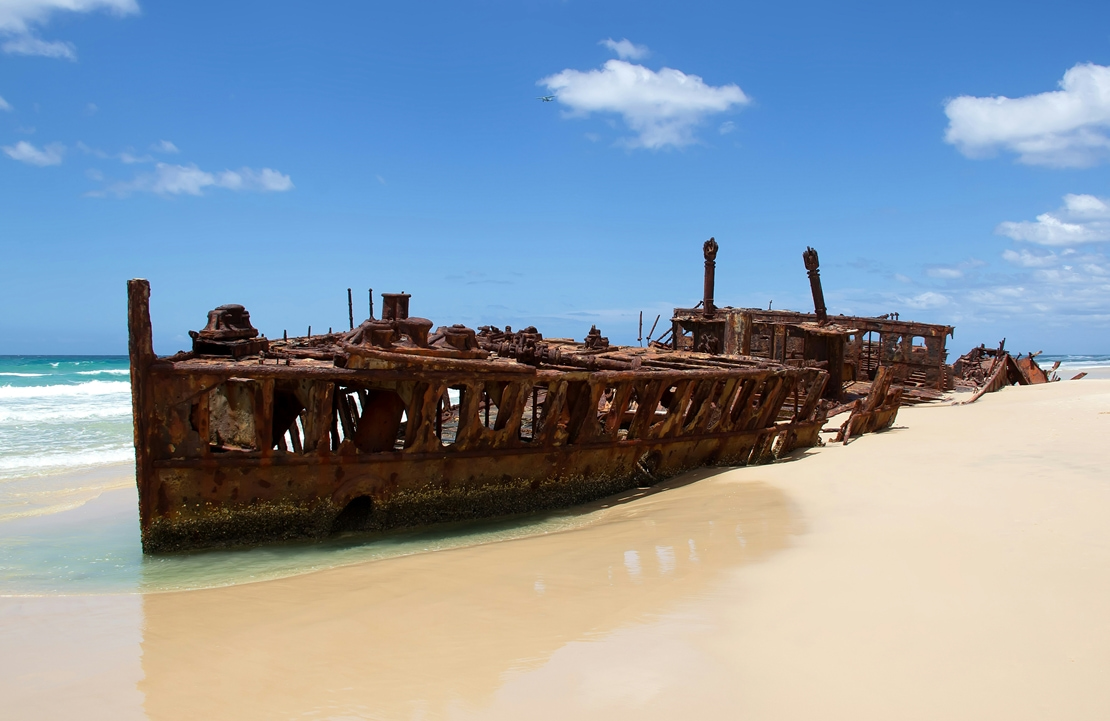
(68,507)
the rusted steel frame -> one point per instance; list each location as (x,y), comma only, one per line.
(140,349)
(752,363)
(553,406)
(812,264)
(254,460)
(863,323)
(1031,371)
(740,408)
(816,387)
(727,396)
(676,408)
(757,405)
(773,398)
(1004,372)
(613,377)
(429,392)
(698,406)
(875,412)
(500,372)
(650,392)
(614,417)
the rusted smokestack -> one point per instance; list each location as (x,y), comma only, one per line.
(810,258)
(709,249)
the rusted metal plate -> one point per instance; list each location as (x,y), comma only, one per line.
(986,370)
(877,411)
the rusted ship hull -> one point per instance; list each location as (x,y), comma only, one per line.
(302,443)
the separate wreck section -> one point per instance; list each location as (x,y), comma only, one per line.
(389,425)
(986,370)
(851,349)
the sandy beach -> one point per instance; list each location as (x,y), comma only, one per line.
(952,567)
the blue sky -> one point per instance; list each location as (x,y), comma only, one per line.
(949,162)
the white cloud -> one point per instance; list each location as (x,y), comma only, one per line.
(164,146)
(29,45)
(26,153)
(18,18)
(953,271)
(1065,128)
(1082,219)
(626,49)
(4,105)
(168,179)
(662,107)
(1029,260)
(129,159)
(726,127)
(928,299)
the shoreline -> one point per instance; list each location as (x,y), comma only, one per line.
(946,568)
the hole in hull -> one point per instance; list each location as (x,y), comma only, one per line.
(355,516)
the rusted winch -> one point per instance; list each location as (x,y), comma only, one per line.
(229,333)
(397,328)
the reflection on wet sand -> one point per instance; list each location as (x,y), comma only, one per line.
(430,633)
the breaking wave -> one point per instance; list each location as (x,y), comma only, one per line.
(43,462)
(107,409)
(88,388)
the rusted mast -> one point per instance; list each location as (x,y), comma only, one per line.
(140,347)
(810,258)
(709,249)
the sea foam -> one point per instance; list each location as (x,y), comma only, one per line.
(88,388)
(61,461)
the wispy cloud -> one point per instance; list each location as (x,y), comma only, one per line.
(170,179)
(1025,259)
(1064,128)
(29,45)
(25,152)
(1082,219)
(130,158)
(662,107)
(927,300)
(20,18)
(626,49)
(4,105)
(953,270)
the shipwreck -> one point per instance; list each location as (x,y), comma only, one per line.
(390,424)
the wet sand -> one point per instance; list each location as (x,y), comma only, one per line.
(952,567)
